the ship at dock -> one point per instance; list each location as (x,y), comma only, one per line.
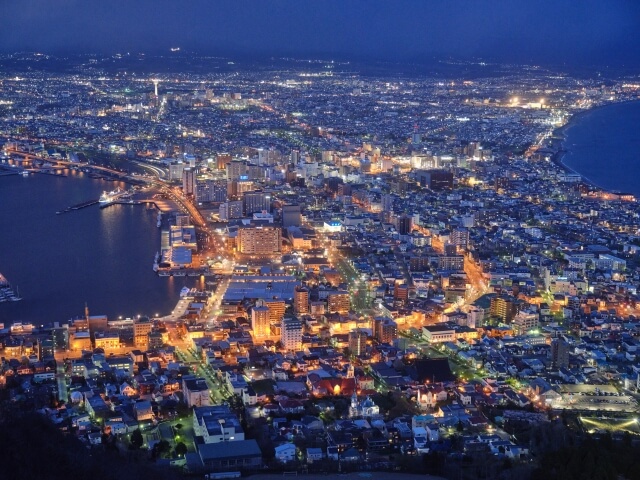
(107,198)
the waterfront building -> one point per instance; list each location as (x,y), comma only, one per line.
(141,328)
(107,341)
(183,237)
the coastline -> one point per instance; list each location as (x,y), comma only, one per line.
(560,149)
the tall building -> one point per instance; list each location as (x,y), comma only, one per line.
(176,170)
(291,334)
(236,169)
(301,300)
(460,237)
(525,321)
(260,319)
(504,307)
(338,302)
(189,181)
(435,180)
(291,216)
(560,353)
(451,263)
(210,190)
(222,160)
(256,202)
(276,310)
(259,240)
(357,342)
(405,224)
(230,210)
(141,329)
(385,330)
(401,292)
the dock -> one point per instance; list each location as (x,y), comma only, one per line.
(78,206)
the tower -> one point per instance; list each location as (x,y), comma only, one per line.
(155,87)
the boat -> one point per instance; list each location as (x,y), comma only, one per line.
(25,173)
(185,291)
(108,198)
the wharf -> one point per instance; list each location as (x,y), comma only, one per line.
(130,202)
(78,206)
(47,172)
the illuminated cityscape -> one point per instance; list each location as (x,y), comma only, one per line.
(369,269)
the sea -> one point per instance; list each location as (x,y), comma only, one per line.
(603,146)
(99,257)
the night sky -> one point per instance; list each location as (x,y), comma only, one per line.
(579,32)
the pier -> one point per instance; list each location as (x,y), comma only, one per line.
(78,206)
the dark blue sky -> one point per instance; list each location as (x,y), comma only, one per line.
(542,31)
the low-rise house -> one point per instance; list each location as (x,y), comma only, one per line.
(285,452)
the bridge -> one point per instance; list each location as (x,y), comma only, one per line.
(195,214)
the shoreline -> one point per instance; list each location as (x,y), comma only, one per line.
(559,143)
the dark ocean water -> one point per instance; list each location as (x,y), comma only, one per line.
(59,262)
(604,147)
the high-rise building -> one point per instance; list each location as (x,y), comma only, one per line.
(210,190)
(291,334)
(435,180)
(291,216)
(357,342)
(460,237)
(256,202)
(189,181)
(451,263)
(301,300)
(260,319)
(176,170)
(405,224)
(560,353)
(260,240)
(504,307)
(338,302)
(276,309)
(385,330)
(236,169)
(230,210)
